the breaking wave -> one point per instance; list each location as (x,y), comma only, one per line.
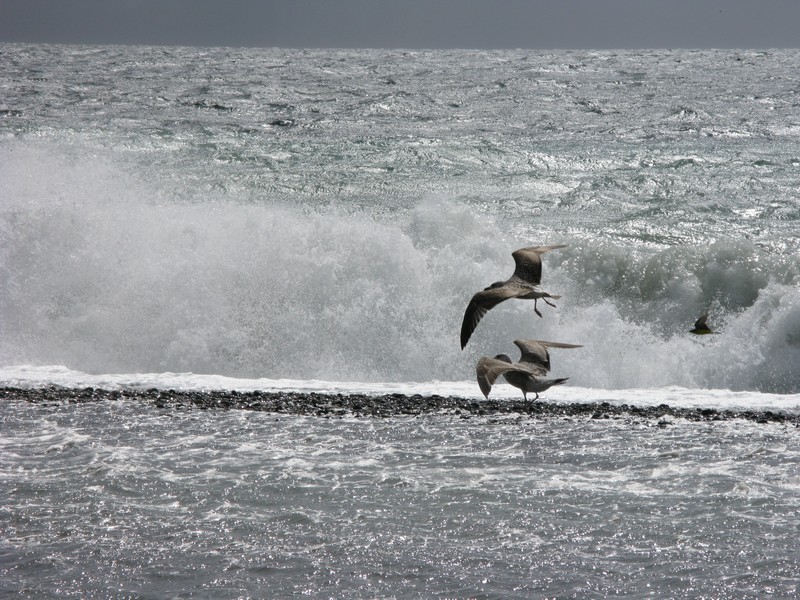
(104,273)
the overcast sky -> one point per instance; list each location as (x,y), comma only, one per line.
(407,23)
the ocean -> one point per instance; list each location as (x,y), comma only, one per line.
(314,221)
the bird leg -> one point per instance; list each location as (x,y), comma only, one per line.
(546,301)
(536,310)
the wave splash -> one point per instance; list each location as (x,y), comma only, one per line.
(104,273)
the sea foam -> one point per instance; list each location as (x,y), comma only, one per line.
(107,273)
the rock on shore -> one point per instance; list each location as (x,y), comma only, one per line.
(390,405)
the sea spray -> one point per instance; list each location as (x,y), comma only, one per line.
(115,276)
(328,215)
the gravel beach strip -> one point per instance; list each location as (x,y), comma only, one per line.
(390,405)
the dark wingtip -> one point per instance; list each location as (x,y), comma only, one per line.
(466,332)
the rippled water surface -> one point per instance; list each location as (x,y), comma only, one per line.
(122,499)
(317,219)
(324,214)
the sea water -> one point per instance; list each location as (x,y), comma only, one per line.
(318,220)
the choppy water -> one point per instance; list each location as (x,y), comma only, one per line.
(178,217)
(327,214)
(123,500)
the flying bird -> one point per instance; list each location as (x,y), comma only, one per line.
(517,374)
(701,327)
(522,284)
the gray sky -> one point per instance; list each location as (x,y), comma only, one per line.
(407,23)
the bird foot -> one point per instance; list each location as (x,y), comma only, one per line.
(546,301)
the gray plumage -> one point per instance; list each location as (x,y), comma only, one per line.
(535,353)
(489,369)
(527,374)
(522,284)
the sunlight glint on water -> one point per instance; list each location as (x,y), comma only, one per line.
(317,220)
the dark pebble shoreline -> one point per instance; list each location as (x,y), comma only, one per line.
(389,405)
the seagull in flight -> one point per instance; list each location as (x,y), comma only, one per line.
(522,284)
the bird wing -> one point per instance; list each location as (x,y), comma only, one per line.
(489,369)
(483,302)
(529,262)
(534,352)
